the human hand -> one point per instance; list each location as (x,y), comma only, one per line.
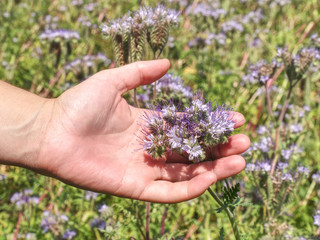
(91,141)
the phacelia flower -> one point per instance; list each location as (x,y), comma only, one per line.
(59,34)
(316,177)
(69,234)
(24,198)
(98,223)
(105,211)
(316,219)
(50,221)
(190,130)
(91,195)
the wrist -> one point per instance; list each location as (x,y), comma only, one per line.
(24,119)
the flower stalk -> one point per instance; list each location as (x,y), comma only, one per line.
(230,215)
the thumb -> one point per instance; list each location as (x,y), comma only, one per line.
(136,74)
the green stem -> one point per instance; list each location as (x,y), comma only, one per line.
(269,102)
(136,103)
(229,213)
(147,220)
(155,83)
(277,135)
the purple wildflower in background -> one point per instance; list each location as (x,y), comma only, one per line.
(87,61)
(85,21)
(182,3)
(51,22)
(253,16)
(303,170)
(260,72)
(315,39)
(206,10)
(282,166)
(295,128)
(105,211)
(263,145)
(24,198)
(50,221)
(3,176)
(69,234)
(316,177)
(262,130)
(59,34)
(171,83)
(91,195)
(98,223)
(77,2)
(168,87)
(90,6)
(274,3)
(263,166)
(288,152)
(287,177)
(231,25)
(316,219)
(250,167)
(31,236)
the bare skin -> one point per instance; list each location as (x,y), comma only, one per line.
(89,138)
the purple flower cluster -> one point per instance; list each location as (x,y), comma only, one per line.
(170,83)
(299,63)
(288,152)
(260,72)
(3,176)
(274,3)
(69,234)
(189,132)
(87,61)
(219,38)
(316,177)
(294,120)
(27,236)
(315,40)
(316,219)
(91,195)
(51,222)
(59,34)
(98,223)
(169,87)
(51,22)
(105,211)
(90,7)
(85,21)
(253,16)
(207,10)
(77,2)
(24,198)
(263,145)
(263,167)
(282,171)
(231,26)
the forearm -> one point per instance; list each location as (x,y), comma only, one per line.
(23,120)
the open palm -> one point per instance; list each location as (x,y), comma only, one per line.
(92,142)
